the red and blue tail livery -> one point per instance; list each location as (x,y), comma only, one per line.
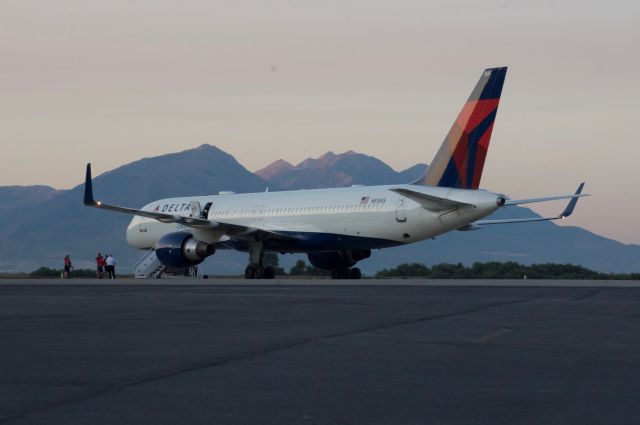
(460,159)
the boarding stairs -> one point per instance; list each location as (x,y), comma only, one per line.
(148,266)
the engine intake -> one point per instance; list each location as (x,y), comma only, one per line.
(180,250)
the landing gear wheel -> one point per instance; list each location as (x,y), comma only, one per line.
(259,272)
(355,273)
(249,273)
(254,271)
(269,273)
(340,274)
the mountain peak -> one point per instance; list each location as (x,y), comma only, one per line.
(206,146)
(336,170)
(327,160)
(187,158)
(25,196)
(328,155)
(275,168)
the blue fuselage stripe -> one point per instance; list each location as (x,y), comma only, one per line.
(311,241)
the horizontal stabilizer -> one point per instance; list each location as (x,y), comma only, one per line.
(575,196)
(565,213)
(430,202)
(514,220)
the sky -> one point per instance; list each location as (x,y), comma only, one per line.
(110,82)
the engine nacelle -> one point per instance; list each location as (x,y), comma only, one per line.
(180,250)
(338,259)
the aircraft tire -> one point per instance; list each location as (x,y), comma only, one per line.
(269,273)
(340,274)
(258,272)
(355,273)
(249,273)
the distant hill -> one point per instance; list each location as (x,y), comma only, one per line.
(12,197)
(40,225)
(331,170)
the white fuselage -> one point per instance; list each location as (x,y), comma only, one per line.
(326,219)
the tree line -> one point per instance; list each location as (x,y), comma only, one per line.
(500,270)
(47,272)
(488,270)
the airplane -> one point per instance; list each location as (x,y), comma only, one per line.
(338,227)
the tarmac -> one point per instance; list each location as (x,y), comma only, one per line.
(224,351)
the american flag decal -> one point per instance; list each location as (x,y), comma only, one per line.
(364,199)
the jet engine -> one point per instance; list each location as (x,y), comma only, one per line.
(338,259)
(180,250)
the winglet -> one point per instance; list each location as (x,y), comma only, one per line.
(88,189)
(572,203)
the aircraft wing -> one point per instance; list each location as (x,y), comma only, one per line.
(429,202)
(565,213)
(162,217)
(234,230)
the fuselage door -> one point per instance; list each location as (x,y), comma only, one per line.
(205,211)
(401,214)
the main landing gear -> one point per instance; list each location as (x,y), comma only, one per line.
(255,269)
(258,271)
(346,273)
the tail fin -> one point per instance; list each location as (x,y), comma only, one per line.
(461,156)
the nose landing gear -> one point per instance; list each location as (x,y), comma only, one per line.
(258,271)
(346,273)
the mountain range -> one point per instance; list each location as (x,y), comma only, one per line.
(331,170)
(41,224)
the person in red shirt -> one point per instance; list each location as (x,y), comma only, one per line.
(104,264)
(67,267)
(100,263)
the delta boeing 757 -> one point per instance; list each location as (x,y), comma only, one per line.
(336,228)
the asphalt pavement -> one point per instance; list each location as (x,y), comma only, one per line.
(319,352)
